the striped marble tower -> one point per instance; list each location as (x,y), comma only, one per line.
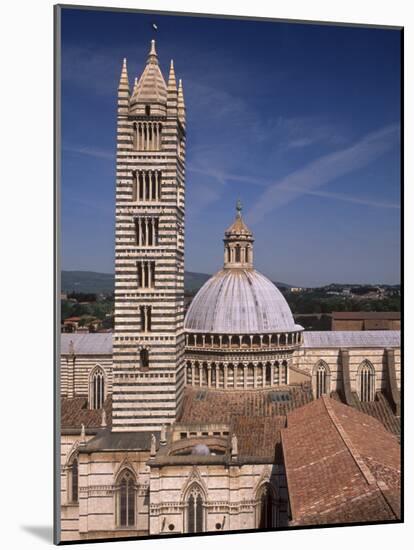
(148,349)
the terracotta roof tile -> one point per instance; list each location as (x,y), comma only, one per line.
(339,464)
(75,412)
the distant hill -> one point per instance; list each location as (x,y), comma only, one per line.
(87,281)
(91,281)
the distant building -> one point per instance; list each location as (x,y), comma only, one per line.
(71,324)
(366,320)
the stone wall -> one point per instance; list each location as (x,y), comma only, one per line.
(230,495)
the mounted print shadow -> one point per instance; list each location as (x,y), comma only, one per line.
(200,162)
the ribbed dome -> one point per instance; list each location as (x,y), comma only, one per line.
(239,301)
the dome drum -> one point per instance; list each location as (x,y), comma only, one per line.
(252,342)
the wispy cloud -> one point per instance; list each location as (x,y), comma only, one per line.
(350,198)
(90,152)
(223,177)
(324,170)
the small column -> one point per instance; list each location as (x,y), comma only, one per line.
(142,275)
(146,232)
(200,377)
(217,369)
(278,340)
(255,376)
(225,376)
(192,374)
(261,341)
(208,375)
(141,233)
(220,341)
(235,370)
(251,341)
(145,318)
(263,375)
(150,185)
(148,137)
(157,197)
(240,341)
(272,374)
(204,340)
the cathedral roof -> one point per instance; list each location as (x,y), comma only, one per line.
(352,339)
(239,301)
(75,411)
(151,87)
(99,343)
(342,465)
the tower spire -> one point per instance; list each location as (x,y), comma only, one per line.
(152,56)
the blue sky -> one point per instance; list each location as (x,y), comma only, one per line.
(301,122)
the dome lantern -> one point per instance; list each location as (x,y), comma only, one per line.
(238,243)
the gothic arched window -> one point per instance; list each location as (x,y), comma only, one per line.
(266,511)
(321,379)
(126,499)
(195,510)
(74,481)
(366,381)
(97,390)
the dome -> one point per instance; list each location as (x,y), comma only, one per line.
(200,450)
(239,301)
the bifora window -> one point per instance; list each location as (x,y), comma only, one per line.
(126,500)
(97,389)
(195,510)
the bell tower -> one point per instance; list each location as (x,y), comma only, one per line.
(148,342)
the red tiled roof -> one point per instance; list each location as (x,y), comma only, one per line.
(342,466)
(258,436)
(219,406)
(75,412)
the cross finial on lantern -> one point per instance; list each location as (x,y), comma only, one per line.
(239,207)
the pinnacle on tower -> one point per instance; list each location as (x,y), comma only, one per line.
(123,81)
(172,83)
(181,105)
(123,90)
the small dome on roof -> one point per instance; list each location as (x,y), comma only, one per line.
(200,450)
